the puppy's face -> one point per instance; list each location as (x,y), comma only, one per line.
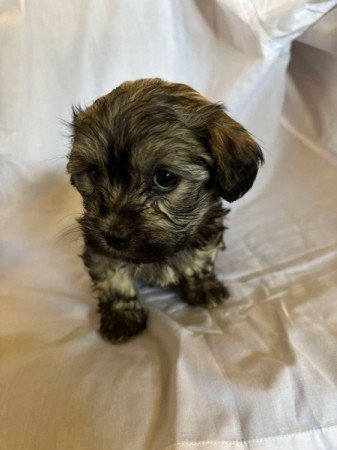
(150,159)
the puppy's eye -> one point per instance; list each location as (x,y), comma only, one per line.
(165,180)
(94,174)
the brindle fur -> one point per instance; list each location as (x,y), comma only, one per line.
(119,143)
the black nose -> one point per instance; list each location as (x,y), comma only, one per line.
(117,242)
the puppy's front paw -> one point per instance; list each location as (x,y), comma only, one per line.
(121,319)
(207,292)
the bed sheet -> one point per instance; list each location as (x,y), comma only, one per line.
(260,371)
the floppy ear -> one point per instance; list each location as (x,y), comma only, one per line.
(236,155)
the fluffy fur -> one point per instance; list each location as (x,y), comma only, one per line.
(134,227)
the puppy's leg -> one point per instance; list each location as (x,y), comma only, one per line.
(122,315)
(199,285)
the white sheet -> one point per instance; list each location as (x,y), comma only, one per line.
(259,372)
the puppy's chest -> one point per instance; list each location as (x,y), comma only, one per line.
(183,265)
(158,274)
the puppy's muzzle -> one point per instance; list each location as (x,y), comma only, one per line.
(118,241)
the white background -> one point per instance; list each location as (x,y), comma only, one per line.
(259,372)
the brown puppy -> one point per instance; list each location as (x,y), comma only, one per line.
(152,160)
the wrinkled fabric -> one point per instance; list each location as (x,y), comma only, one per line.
(258,372)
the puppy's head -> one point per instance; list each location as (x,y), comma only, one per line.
(150,159)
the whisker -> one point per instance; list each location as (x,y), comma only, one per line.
(69,215)
(68,231)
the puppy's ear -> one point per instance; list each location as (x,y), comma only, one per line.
(73,126)
(235,154)
(77,110)
(77,114)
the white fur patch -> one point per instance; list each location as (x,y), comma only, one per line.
(118,280)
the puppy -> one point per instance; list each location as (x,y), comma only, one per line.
(152,160)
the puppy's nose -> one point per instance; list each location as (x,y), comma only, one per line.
(118,242)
